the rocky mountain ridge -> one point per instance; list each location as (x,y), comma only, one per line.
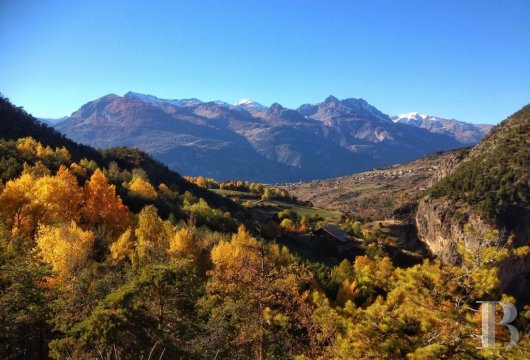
(464,132)
(250,141)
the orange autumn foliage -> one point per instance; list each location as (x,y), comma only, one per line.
(103,206)
(142,188)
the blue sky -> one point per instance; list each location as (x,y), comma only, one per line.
(468,60)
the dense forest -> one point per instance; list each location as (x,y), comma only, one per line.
(109,255)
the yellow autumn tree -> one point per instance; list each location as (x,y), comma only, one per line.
(370,277)
(123,248)
(239,255)
(142,188)
(103,206)
(267,194)
(60,196)
(31,146)
(18,208)
(185,243)
(66,247)
(151,235)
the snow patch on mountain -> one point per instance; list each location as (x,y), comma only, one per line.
(247,104)
(250,104)
(413,118)
(464,132)
(156,100)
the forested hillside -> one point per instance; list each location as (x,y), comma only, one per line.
(109,257)
(495,179)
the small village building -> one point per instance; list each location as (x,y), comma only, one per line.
(330,240)
(331,234)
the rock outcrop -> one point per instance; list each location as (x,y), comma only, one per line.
(440,225)
(448,164)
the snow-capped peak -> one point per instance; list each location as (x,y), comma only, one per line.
(249,103)
(466,133)
(243,102)
(409,116)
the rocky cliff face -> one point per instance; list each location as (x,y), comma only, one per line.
(440,225)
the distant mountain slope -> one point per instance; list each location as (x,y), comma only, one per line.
(51,122)
(250,141)
(16,123)
(463,132)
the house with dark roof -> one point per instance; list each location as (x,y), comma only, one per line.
(330,240)
(331,233)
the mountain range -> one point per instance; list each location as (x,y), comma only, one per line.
(466,133)
(254,142)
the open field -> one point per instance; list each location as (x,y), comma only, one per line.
(271,207)
(234,194)
(268,208)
